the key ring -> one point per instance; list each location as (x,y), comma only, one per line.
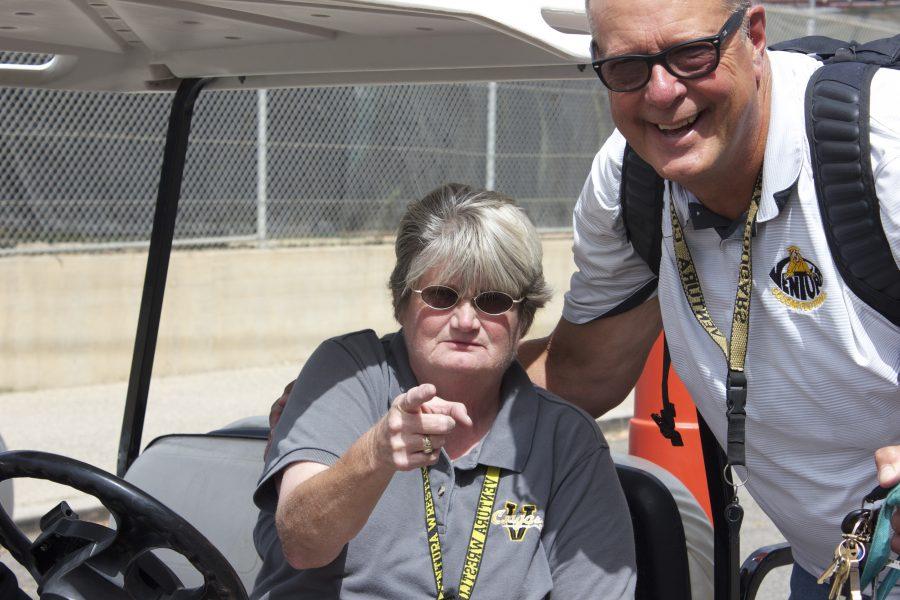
(858,547)
(729,479)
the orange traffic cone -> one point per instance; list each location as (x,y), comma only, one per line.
(644,437)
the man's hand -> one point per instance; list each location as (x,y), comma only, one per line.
(887,461)
(398,439)
(275,413)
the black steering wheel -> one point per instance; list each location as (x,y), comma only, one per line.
(117,564)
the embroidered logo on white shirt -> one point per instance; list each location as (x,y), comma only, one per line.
(798,282)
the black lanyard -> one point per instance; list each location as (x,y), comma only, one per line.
(477,540)
(735,352)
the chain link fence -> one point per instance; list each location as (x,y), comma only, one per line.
(80,170)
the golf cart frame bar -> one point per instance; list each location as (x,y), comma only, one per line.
(161,239)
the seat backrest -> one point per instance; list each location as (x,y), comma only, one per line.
(6,489)
(209,480)
(672,534)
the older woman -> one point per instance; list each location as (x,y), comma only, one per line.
(425,464)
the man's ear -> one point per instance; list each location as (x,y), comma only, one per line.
(756,30)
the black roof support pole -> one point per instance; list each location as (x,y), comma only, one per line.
(157,269)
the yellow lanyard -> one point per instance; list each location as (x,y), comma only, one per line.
(735,351)
(477,539)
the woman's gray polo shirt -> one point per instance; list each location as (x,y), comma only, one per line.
(560,525)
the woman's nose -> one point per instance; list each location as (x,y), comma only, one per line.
(465,315)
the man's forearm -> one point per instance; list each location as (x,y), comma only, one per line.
(594,365)
(594,390)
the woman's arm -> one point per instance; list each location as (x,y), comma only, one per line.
(320,509)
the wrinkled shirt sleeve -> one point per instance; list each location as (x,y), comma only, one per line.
(609,272)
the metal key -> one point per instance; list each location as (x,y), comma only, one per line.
(832,567)
(857,530)
(841,572)
(850,552)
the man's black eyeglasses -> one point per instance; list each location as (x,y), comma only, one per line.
(687,60)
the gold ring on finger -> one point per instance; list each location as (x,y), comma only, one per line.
(427,448)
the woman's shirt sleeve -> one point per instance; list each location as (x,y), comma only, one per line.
(340,393)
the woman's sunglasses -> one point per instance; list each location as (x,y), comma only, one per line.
(441,297)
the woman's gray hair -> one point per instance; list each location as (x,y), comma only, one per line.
(479,240)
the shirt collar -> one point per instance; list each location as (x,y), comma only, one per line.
(785,147)
(508,444)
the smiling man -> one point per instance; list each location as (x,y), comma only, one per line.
(695,93)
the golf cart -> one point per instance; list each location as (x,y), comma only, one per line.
(190,493)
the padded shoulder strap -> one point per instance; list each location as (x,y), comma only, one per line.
(819,45)
(837,125)
(641,196)
(884,51)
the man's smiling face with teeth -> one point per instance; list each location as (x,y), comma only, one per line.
(690,131)
(678,124)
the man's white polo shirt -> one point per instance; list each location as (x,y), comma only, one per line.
(822,366)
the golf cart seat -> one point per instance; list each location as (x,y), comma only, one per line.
(6,489)
(209,478)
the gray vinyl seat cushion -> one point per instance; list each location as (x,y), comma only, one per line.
(209,480)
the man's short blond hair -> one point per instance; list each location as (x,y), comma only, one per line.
(730,6)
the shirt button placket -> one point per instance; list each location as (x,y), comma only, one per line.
(442,483)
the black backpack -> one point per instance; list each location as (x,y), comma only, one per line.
(837,126)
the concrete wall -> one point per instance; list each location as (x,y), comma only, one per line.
(68,320)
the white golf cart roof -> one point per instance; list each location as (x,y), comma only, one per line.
(141,45)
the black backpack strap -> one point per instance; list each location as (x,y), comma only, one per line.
(815,45)
(665,419)
(641,198)
(837,126)
(884,51)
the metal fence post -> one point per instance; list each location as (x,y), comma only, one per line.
(811,21)
(491,150)
(261,164)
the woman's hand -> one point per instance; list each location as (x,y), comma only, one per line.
(322,508)
(398,439)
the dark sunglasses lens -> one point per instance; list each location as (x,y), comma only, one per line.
(440,297)
(624,75)
(493,303)
(695,60)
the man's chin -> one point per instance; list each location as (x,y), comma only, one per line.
(681,170)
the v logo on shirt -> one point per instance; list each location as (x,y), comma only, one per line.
(516,523)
